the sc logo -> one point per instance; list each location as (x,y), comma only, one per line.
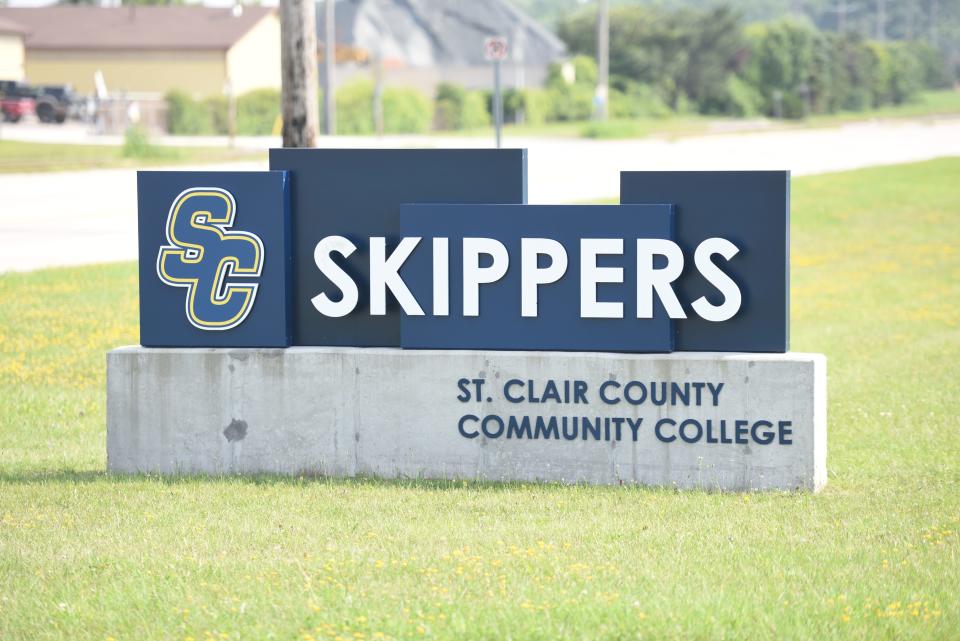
(203,257)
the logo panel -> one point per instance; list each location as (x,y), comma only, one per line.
(205,256)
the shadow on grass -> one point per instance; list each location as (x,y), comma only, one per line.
(78,477)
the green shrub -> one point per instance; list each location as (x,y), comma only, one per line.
(355,107)
(584,72)
(474,114)
(257,111)
(615,129)
(526,105)
(186,116)
(136,144)
(513,104)
(742,99)
(683,104)
(856,99)
(449,106)
(797,70)
(906,74)
(406,111)
(218,108)
(570,102)
(536,106)
(934,71)
(637,101)
(456,108)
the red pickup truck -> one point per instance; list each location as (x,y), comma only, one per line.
(16,101)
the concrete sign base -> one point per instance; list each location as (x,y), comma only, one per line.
(717,421)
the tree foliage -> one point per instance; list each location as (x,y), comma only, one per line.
(683,54)
(788,68)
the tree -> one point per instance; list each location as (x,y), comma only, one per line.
(685,54)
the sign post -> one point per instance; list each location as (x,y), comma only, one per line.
(495,50)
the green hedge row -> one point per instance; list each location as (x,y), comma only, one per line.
(258,112)
(706,60)
(785,69)
(794,69)
(407,110)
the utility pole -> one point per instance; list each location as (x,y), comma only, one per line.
(298,61)
(329,64)
(881,19)
(934,20)
(603,59)
(909,26)
(842,16)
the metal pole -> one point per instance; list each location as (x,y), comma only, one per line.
(298,62)
(329,65)
(603,58)
(497,100)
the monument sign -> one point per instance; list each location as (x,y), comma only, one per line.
(404,313)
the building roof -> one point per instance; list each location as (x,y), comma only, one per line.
(133,27)
(427,33)
(9,26)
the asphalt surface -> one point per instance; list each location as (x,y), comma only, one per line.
(81,217)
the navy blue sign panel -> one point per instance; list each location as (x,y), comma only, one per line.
(215,264)
(566,273)
(357,193)
(752,210)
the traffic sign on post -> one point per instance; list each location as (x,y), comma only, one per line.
(495,50)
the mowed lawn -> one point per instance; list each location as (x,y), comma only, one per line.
(876,555)
(24,157)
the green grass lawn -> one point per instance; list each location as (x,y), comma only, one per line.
(927,104)
(876,555)
(17,157)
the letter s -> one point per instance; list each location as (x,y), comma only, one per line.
(340,278)
(716,277)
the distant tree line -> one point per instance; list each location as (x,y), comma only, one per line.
(662,62)
(936,21)
(707,61)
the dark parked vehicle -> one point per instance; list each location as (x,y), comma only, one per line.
(16,100)
(55,103)
(51,103)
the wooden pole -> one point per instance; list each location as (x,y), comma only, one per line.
(298,60)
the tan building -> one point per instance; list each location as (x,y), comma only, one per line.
(11,50)
(150,49)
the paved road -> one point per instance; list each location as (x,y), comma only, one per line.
(84,217)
